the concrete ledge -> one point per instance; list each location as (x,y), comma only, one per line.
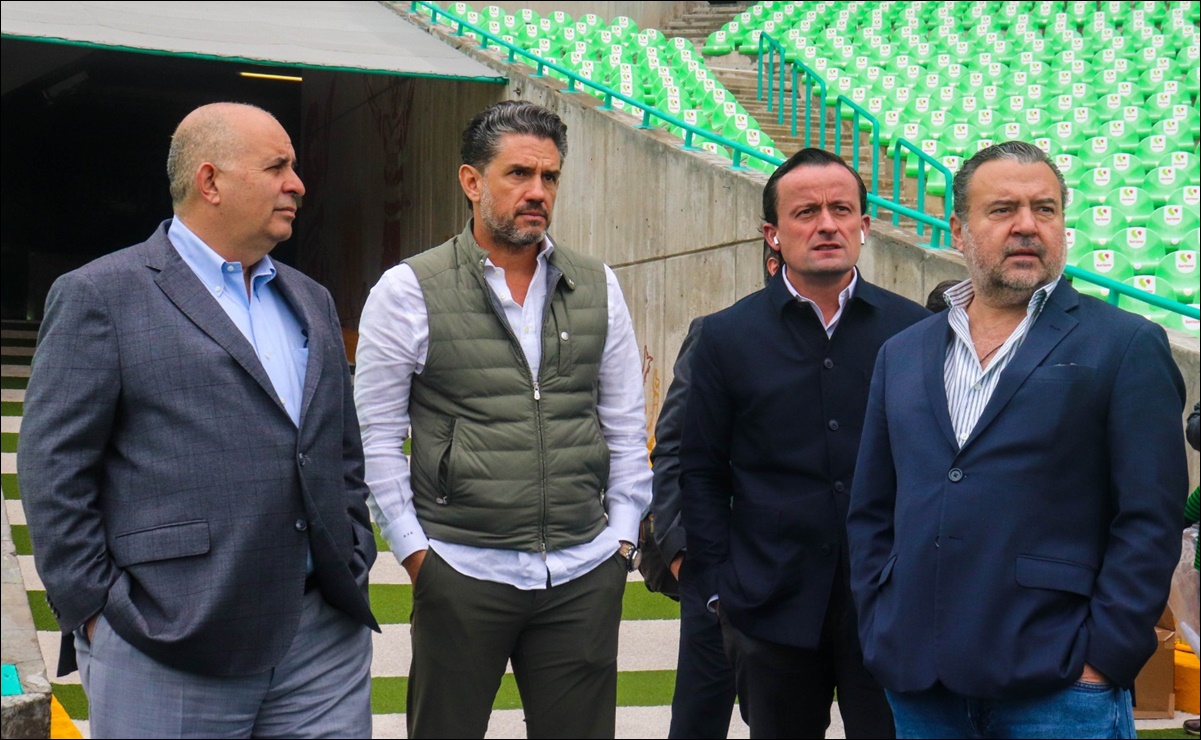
(26,715)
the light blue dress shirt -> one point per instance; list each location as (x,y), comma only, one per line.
(263,317)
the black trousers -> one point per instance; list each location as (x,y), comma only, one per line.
(704,696)
(562,642)
(786,691)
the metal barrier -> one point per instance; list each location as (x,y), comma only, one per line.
(858,112)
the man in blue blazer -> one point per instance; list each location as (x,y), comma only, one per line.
(191,467)
(1015,516)
(770,434)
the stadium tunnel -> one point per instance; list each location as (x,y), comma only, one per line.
(92,92)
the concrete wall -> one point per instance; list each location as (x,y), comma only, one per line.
(646,15)
(379,157)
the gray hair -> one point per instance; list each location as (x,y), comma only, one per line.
(1017,151)
(481,138)
(204,135)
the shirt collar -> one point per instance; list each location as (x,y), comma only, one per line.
(959,297)
(843,296)
(212,269)
(546,249)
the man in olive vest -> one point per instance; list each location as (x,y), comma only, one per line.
(515,362)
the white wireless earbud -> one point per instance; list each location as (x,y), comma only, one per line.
(862,237)
(776,240)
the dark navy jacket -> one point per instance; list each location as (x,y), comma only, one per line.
(768,452)
(1049,539)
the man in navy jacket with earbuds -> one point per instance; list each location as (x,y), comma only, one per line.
(779,391)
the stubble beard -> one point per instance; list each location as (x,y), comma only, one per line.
(1001,287)
(504,231)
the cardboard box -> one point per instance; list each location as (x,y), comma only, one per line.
(1154,689)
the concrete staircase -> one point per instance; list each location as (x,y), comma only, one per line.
(738,72)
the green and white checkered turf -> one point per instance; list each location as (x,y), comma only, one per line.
(649,631)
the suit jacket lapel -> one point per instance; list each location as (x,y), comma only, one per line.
(934,353)
(1049,329)
(189,295)
(316,341)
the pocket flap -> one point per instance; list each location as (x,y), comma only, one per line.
(177,540)
(1058,575)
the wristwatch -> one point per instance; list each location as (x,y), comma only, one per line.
(632,556)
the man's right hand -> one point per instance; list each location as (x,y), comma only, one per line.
(412,564)
(676,562)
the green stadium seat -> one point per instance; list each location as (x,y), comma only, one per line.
(1142,246)
(1123,135)
(1071,167)
(1180,270)
(1095,185)
(1174,223)
(1105,262)
(1098,149)
(1133,202)
(1183,323)
(1161,182)
(1186,163)
(1127,169)
(1147,284)
(1188,196)
(1098,226)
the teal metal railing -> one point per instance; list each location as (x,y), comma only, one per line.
(858,114)
(924,161)
(738,150)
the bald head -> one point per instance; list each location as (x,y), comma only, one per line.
(208,134)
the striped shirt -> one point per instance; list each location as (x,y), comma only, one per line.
(970,386)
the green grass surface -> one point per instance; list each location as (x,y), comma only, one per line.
(380,543)
(11,408)
(1174,732)
(634,689)
(392,603)
(71,696)
(13,383)
(8,442)
(21,539)
(11,491)
(43,618)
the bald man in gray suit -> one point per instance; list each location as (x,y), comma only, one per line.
(191,466)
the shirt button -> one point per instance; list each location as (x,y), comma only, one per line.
(955,475)
(301,525)
(828,363)
(230,268)
(839,487)
(833,425)
(977,387)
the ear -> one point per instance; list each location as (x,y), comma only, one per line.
(956,233)
(471,180)
(205,184)
(772,235)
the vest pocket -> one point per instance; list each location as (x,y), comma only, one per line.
(446,466)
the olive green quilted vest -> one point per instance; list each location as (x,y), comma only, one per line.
(499,460)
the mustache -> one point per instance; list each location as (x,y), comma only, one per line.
(1025,244)
(533,207)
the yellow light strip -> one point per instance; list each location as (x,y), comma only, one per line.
(281,78)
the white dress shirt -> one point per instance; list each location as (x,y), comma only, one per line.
(969,385)
(393,346)
(843,297)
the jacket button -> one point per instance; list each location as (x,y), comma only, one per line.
(955,475)
(839,487)
(564,336)
(828,363)
(301,525)
(833,425)
(303,459)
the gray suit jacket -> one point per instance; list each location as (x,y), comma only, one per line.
(166,486)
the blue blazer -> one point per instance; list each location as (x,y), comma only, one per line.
(1049,539)
(767,455)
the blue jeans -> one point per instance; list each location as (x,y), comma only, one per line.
(1083,710)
